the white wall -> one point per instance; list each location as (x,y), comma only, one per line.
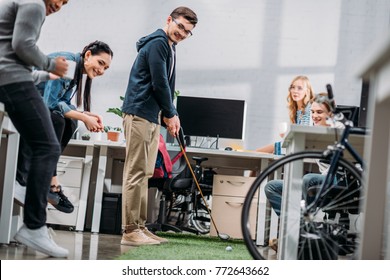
(247,49)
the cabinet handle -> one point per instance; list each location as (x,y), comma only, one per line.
(234,204)
(235,183)
(62,162)
(61,172)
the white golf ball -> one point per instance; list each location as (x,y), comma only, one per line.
(229,248)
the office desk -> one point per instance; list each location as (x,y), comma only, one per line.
(300,138)
(85,150)
(244,160)
(8,223)
(236,160)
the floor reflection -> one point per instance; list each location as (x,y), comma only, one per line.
(81,246)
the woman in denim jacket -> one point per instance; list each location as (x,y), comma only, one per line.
(58,93)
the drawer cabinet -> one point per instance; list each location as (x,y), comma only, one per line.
(227,201)
(226,185)
(69,173)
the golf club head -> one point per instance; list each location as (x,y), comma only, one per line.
(223,236)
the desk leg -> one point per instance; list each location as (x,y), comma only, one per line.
(267,223)
(262,223)
(274,225)
(93,249)
(292,196)
(78,246)
(80,222)
(8,189)
(97,207)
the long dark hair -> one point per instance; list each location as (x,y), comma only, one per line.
(96,48)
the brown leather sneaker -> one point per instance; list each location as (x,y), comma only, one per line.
(153,236)
(137,238)
(273,244)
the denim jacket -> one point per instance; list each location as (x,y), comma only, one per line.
(57,94)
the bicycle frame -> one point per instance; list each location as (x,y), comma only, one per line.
(335,152)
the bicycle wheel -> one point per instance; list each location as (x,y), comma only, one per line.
(330,230)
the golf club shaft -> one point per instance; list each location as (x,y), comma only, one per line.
(197,184)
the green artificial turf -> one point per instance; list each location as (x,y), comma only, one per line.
(183,246)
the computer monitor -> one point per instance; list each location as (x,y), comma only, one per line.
(212,117)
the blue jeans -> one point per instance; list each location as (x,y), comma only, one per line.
(274,190)
(30,116)
(311,180)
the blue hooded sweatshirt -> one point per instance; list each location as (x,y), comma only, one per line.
(150,90)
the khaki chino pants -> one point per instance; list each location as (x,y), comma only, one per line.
(142,138)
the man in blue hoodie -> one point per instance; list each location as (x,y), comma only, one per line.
(148,99)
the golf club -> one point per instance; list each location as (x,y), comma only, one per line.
(222,236)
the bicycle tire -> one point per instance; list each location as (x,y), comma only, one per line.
(341,246)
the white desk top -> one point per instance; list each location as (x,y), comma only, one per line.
(319,134)
(215,152)
(82,142)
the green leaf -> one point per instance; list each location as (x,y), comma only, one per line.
(116,111)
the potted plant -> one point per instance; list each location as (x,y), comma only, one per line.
(113,133)
(86,136)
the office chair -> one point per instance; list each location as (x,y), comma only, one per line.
(162,185)
(186,207)
(181,208)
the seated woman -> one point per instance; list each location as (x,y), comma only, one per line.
(300,92)
(58,93)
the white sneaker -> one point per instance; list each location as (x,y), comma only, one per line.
(40,240)
(20,193)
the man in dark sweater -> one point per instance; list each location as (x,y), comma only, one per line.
(149,96)
(20,27)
